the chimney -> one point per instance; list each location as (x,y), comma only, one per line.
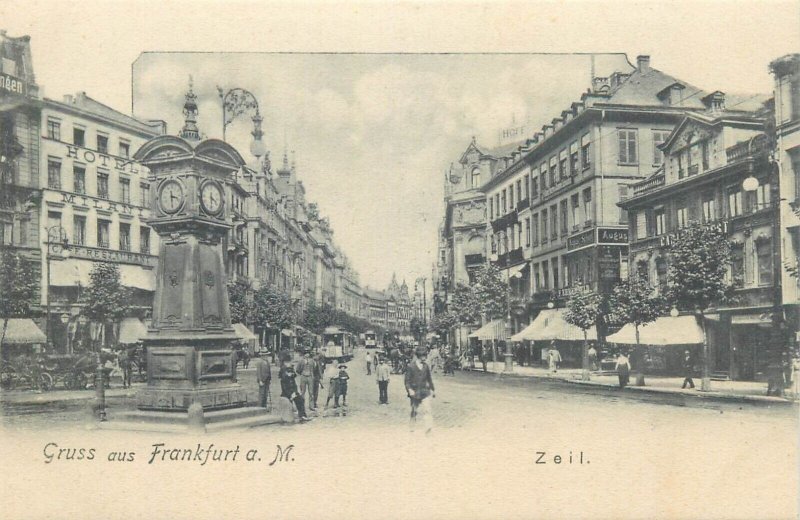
(643,63)
(68,99)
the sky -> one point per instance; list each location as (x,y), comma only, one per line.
(373,134)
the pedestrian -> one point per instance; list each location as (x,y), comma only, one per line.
(419,387)
(688,367)
(332,377)
(382,376)
(287,376)
(305,368)
(553,357)
(319,369)
(368,359)
(623,368)
(264,378)
(342,390)
(124,360)
(592,353)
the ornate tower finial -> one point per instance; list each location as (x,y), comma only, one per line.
(190,132)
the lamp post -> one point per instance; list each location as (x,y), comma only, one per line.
(751,185)
(424,327)
(236,102)
(508,355)
(58,243)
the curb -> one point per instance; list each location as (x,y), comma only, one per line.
(749,399)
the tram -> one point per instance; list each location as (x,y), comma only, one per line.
(370,339)
(337,344)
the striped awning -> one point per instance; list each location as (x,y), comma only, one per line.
(242,332)
(666,330)
(23,331)
(495,329)
(550,324)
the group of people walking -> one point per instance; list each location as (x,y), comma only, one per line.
(314,373)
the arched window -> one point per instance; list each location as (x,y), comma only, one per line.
(476,178)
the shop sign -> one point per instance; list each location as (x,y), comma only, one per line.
(101,204)
(100,254)
(608,262)
(580,240)
(720,226)
(105,161)
(12,85)
(575,289)
(612,235)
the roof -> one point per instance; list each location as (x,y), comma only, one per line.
(643,87)
(84,103)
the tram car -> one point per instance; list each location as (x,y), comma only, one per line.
(337,344)
(370,339)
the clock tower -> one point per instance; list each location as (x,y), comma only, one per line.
(189,355)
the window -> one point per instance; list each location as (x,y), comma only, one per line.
(627,146)
(510,197)
(586,156)
(682,217)
(102,185)
(491,207)
(535,229)
(53,129)
(103,233)
(144,194)
(587,201)
(527,188)
(661,221)
(764,254)
(564,212)
(661,274)
(681,172)
(535,186)
(659,137)
(554,265)
(527,232)
(497,204)
(709,213)
(546,274)
(79,179)
(640,225)
(573,158)
(762,196)
(512,236)
(6,233)
(734,202)
(537,282)
(53,221)
(704,154)
(476,178)
(102,143)
(79,230)
(494,247)
(125,237)
(553,222)
(553,171)
(519,233)
(737,265)
(124,149)
(54,174)
(544,226)
(623,196)
(125,190)
(519,190)
(78,136)
(575,204)
(562,165)
(505,208)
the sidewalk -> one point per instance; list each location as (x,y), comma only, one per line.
(745,391)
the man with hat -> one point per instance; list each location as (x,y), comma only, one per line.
(419,386)
(306,368)
(289,389)
(342,386)
(382,377)
(264,377)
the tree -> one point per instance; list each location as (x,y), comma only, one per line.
(632,301)
(583,309)
(18,287)
(417,328)
(491,292)
(240,297)
(442,323)
(698,265)
(105,300)
(465,304)
(272,309)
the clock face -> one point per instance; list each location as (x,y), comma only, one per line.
(211,198)
(170,199)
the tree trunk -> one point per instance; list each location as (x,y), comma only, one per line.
(2,340)
(705,384)
(640,371)
(585,372)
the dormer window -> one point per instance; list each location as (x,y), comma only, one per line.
(476,178)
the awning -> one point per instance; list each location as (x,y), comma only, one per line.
(666,330)
(131,330)
(70,273)
(495,329)
(516,269)
(22,331)
(550,324)
(287,332)
(243,332)
(138,277)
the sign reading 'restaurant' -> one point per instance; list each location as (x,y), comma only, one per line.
(11,84)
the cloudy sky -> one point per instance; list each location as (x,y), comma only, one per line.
(374,133)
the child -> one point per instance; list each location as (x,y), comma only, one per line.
(343,377)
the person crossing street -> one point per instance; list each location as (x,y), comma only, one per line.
(419,387)
(382,377)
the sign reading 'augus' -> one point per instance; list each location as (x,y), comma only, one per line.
(91,157)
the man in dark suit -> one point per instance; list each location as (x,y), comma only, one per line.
(289,390)
(264,377)
(419,386)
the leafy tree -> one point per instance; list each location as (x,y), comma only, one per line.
(18,287)
(417,328)
(698,263)
(105,299)
(465,304)
(240,297)
(583,309)
(633,301)
(272,309)
(491,291)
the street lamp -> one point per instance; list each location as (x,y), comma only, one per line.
(58,243)
(508,355)
(236,102)
(750,185)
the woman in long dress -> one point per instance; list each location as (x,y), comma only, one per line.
(623,367)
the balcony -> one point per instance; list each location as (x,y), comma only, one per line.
(651,183)
(523,204)
(693,169)
(747,149)
(515,256)
(501,223)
